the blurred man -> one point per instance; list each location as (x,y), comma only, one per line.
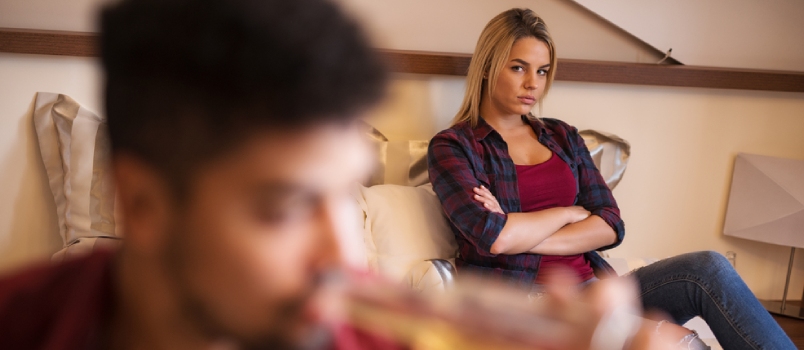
(234,142)
(234,147)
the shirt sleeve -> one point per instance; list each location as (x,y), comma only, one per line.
(453,180)
(594,195)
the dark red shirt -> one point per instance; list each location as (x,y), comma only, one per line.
(60,306)
(69,305)
(462,157)
(544,186)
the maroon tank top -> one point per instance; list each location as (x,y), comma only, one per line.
(549,185)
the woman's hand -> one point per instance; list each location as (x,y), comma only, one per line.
(576,213)
(484,196)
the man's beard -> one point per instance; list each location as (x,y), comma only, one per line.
(198,312)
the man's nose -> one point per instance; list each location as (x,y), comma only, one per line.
(341,242)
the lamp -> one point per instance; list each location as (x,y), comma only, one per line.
(766,204)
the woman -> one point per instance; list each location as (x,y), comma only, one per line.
(525,200)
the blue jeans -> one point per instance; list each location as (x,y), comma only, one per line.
(705,284)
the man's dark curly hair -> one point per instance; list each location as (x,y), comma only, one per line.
(189,79)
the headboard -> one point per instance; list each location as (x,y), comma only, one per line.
(425,62)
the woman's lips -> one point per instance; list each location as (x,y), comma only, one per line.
(527,99)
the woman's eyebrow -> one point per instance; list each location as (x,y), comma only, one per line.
(526,64)
(521,61)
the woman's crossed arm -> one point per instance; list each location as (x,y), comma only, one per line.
(554,231)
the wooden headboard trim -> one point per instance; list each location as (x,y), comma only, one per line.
(423,62)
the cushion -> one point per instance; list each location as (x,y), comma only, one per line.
(75,151)
(610,154)
(403,227)
(397,162)
(402,163)
(429,276)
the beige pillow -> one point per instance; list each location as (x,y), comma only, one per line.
(610,154)
(425,276)
(401,163)
(75,151)
(397,162)
(404,226)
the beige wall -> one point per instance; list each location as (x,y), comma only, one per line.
(684,141)
(673,195)
(72,15)
(454,26)
(721,33)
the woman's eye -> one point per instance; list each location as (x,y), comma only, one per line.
(517,68)
(541,72)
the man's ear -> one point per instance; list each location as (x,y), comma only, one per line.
(146,200)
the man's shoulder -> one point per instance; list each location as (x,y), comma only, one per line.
(46,299)
(42,278)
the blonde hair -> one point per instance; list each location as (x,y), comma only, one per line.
(491,54)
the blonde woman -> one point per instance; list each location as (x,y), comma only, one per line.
(526,202)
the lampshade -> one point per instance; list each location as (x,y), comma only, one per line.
(766,202)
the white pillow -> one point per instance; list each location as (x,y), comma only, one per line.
(76,154)
(404,226)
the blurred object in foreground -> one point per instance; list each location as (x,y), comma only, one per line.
(478,314)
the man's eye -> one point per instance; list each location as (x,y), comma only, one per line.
(272,216)
(283,214)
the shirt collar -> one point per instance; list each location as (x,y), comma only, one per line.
(538,127)
(483,129)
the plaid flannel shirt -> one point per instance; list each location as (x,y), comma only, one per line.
(461,158)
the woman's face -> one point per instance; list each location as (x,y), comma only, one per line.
(522,79)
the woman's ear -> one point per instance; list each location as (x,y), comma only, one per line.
(146,203)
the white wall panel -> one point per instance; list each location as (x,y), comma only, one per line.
(720,33)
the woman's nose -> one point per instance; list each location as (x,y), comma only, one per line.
(531,82)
